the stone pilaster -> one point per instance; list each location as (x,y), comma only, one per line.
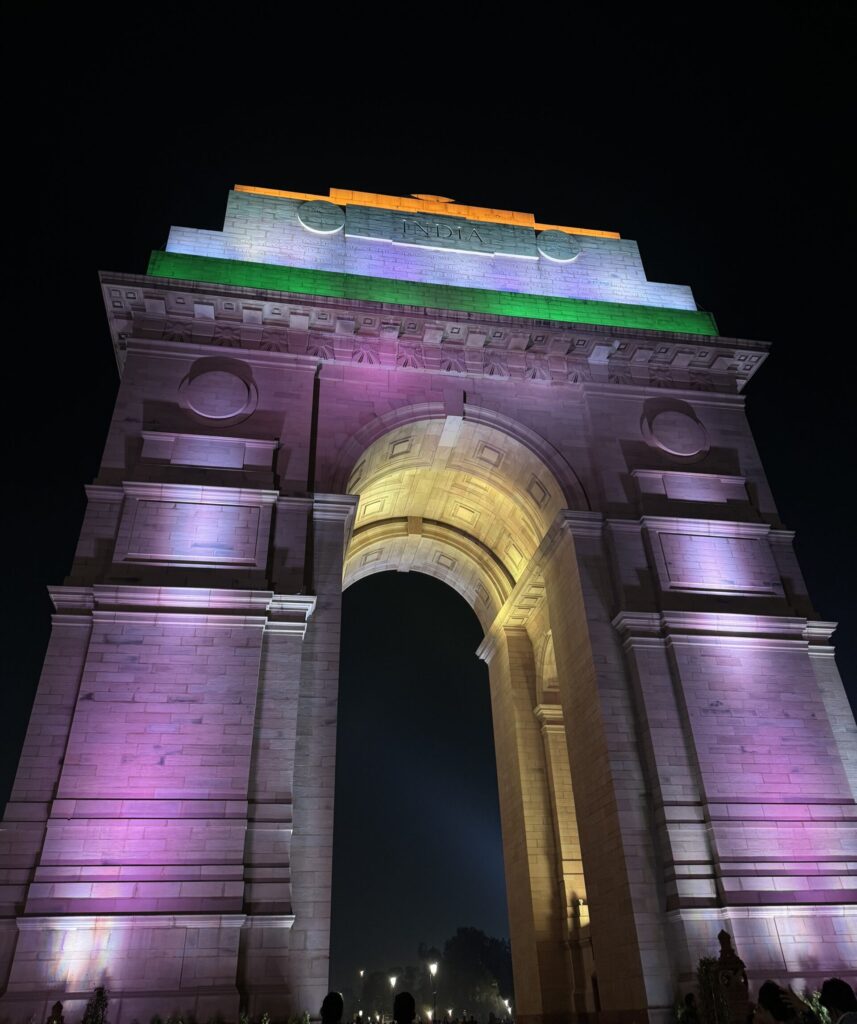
(140,882)
(315,754)
(632,959)
(569,861)
(755,805)
(537,915)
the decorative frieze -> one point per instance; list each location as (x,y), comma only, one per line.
(456,343)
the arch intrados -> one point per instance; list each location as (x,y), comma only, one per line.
(434,529)
(494,482)
(355,449)
(475,477)
(480,564)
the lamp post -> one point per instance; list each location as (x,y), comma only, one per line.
(393,980)
(433,972)
(361,972)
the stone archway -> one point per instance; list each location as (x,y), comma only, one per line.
(170,826)
(470,504)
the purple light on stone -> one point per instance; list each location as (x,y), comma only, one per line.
(87,951)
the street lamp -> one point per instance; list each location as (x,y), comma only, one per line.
(393,980)
(433,972)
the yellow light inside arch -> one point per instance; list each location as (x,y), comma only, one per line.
(458,500)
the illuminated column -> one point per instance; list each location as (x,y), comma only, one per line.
(543,982)
(631,955)
(140,881)
(748,745)
(264,973)
(315,757)
(569,862)
(29,806)
(766,844)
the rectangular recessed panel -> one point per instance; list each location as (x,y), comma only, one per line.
(184,531)
(372,508)
(465,514)
(207,451)
(513,553)
(487,453)
(401,447)
(538,492)
(695,562)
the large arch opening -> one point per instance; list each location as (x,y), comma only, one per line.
(417,823)
(472,505)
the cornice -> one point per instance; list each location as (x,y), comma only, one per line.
(550,715)
(276,613)
(306,331)
(203,494)
(269,921)
(702,626)
(112,922)
(682,524)
(334,507)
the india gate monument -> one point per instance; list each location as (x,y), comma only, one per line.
(334,386)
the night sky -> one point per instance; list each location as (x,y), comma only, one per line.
(723,149)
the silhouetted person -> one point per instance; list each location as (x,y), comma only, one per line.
(331,1008)
(779,1006)
(838,998)
(691,1012)
(404,1008)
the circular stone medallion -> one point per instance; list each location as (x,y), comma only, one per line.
(558,246)
(217,395)
(677,433)
(321,217)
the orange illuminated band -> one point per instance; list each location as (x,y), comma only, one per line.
(409,204)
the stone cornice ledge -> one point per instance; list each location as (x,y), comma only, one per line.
(199,493)
(578,524)
(269,920)
(549,714)
(660,625)
(337,508)
(72,922)
(279,613)
(334,506)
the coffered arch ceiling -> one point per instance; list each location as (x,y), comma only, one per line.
(458,500)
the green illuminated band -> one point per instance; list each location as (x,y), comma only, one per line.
(300,281)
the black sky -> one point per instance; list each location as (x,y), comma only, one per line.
(722,145)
